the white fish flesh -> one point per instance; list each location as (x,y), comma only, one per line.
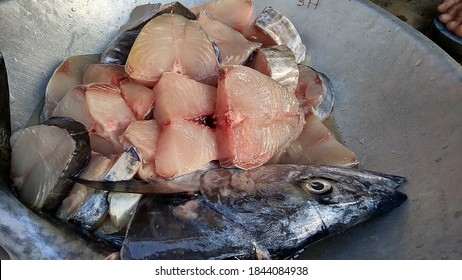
(234,13)
(316,145)
(74,105)
(104,74)
(102,99)
(138,97)
(177,96)
(172,43)
(183,147)
(234,47)
(68,75)
(117,51)
(255,117)
(43,157)
(143,135)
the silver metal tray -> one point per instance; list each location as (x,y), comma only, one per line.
(399,104)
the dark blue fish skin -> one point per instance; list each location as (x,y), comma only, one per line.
(267,212)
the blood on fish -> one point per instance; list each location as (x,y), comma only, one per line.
(177,96)
(255,117)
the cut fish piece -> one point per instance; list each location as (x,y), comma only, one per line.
(177,96)
(255,117)
(121,208)
(104,74)
(315,92)
(74,106)
(44,157)
(234,13)
(68,75)
(143,135)
(172,43)
(271,26)
(117,51)
(109,110)
(234,47)
(317,146)
(138,97)
(184,147)
(95,209)
(97,167)
(279,63)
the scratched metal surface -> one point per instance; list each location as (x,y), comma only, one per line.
(398,104)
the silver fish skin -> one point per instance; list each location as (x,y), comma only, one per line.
(26,235)
(96,208)
(23,233)
(271,211)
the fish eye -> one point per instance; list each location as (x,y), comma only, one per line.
(317,186)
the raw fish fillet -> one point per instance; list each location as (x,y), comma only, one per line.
(109,110)
(104,74)
(184,147)
(43,157)
(74,106)
(177,96)
(143,135)
(255,117)
(117,51)
(234,47)
(138,97)
(234,13)
(68,75)
(316,146)
(172,43)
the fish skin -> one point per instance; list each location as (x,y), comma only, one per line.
(96,207)
(25,234)
(242,213)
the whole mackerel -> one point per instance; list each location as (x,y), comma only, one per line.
(25,234)
(269,212)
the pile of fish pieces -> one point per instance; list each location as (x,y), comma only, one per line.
(175,90)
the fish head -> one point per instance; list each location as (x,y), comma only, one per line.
(344,197)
